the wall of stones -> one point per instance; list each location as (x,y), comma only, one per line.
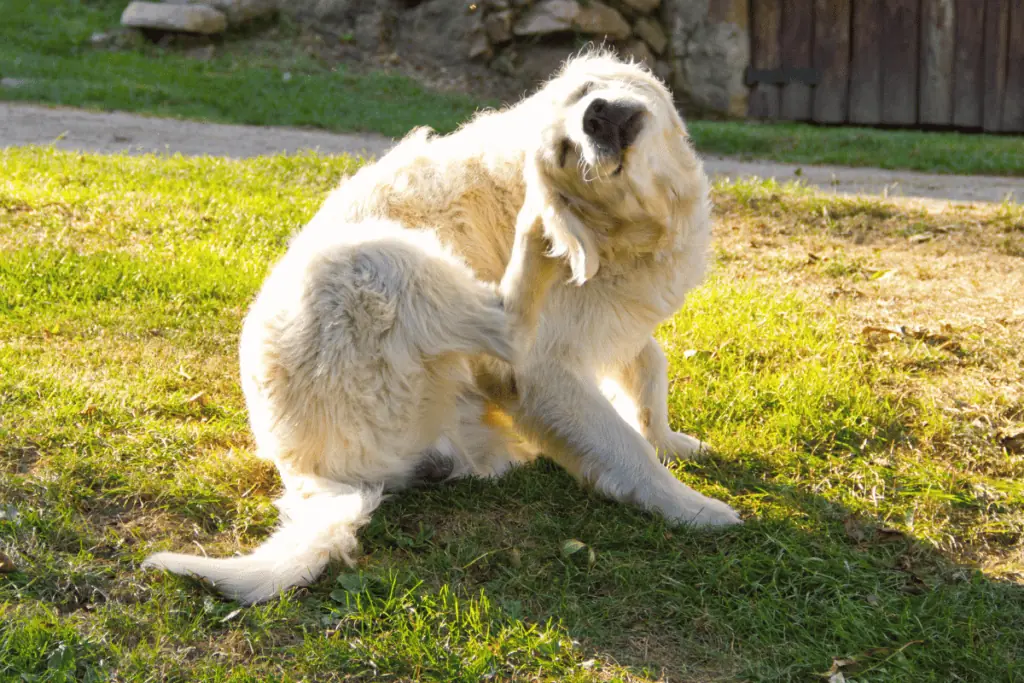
(700,48)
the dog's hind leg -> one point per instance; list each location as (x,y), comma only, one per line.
(529,274)
(484,442)
(451,312)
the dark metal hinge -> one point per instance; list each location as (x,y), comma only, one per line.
(782,76)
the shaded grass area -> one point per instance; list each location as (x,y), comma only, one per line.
(884,530)
(46,42)
(277,82)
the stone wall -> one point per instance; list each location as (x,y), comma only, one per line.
(503,48)
(699,47)
(709,52)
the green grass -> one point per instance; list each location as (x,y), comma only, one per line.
(799,143)
(47,42)
(123,282)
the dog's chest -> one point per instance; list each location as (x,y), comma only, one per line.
(609,319)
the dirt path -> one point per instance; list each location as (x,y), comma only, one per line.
(74,129)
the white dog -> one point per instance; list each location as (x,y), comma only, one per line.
(354,356)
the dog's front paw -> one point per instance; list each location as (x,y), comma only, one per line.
(714,513)
(679,446)
(685,506)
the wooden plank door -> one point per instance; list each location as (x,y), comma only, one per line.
(900,61)
(938,33)
(796,41)
(865,63)
(832,59)
(997,25)
(1013,101)
(766,18)
(969,63)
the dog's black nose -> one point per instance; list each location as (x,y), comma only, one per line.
(613,126)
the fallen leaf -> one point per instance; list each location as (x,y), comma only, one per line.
(893,332)
(231,616)
(6,565)
(200,398)
(880,275)
(89,408)
(838,665)
(572,546)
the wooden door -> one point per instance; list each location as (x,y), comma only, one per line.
(948,63)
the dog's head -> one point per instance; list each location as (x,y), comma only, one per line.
(613,148)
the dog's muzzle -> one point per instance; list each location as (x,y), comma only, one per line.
(613,126)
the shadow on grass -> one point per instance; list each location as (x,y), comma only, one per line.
(779,598)
(531,574)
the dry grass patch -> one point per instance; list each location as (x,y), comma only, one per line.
(927,288)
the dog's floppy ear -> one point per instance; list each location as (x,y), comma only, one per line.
(568,235)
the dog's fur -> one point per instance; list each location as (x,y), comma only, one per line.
(357,354)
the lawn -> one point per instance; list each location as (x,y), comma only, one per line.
(282,81)
(856,364)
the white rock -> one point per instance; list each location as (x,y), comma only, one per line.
(164,17)
(480,47)
(547,16)
(652,33)
(642,6)
(499,26)
(596,18)
(241,11)
(237,11)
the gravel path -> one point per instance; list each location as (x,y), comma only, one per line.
(74,129)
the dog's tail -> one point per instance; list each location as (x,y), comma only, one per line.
(318,523)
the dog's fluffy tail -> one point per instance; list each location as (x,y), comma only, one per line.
(316,526)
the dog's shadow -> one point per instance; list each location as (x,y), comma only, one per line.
(801,584)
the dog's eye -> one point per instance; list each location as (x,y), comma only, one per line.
(580,92)
(563,152)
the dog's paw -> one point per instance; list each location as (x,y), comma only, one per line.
(714,513)
(684,506)
(679,446)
